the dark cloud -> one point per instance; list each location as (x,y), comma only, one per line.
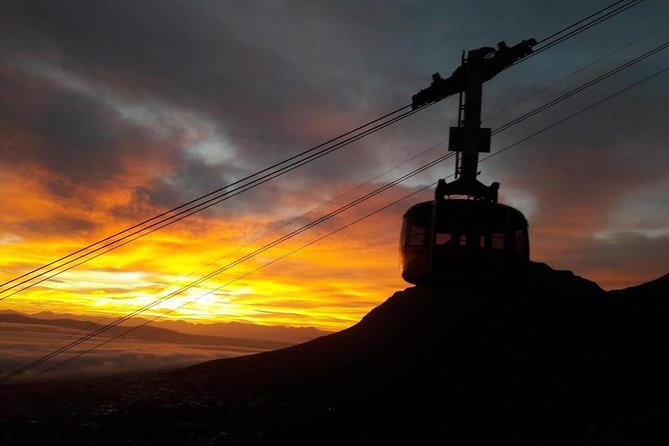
(140,206)
(251,64)
(72,121)
(109,361)
(71,135)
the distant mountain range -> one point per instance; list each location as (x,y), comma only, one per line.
(554,360)
(146,333)
(278,334)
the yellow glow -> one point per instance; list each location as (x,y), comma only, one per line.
(330,285)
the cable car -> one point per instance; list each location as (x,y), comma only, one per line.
(464,233)
(446,240)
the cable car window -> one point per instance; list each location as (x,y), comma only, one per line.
(463,240)
(520,242)
(482,241)
(416,236)
(442,238)
(497,240)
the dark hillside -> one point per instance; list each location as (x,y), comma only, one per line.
(554,361)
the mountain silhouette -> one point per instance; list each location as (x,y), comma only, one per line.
(143,333)
(554,360)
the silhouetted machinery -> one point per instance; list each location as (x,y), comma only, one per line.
(464,233)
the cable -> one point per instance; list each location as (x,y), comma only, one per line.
(163,214)
(582,28)
(582,87)
(584,67)
(579,22)
(583,110)
(321,206)
(168,220)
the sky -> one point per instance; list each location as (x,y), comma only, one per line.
(112,112)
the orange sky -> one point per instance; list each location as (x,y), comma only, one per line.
(329,285)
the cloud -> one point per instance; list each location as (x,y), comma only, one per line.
(111,361)
(22,345)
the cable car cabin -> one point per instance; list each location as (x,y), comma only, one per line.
(445,241)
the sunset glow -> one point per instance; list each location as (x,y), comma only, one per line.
(324,285)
